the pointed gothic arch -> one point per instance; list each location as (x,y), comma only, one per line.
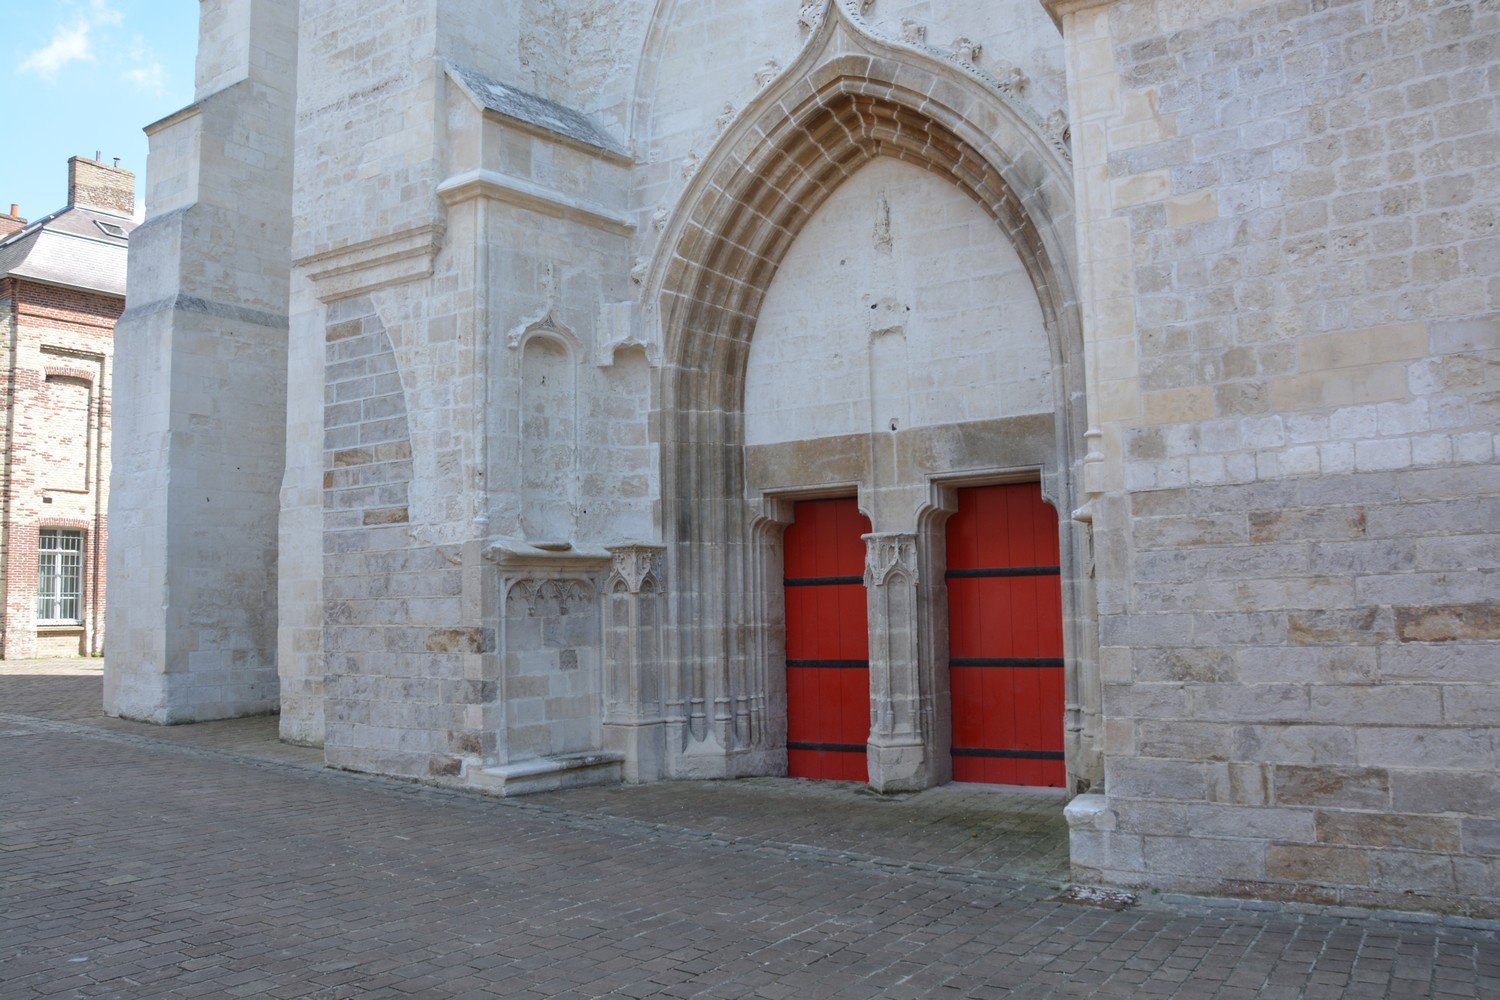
(864,98)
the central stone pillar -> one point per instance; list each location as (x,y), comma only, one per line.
(899,757)
(634,723)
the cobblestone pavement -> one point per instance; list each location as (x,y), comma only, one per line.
(210,860)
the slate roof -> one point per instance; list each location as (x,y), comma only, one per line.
(70,248)
(504,99)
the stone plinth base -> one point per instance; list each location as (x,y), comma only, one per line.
(548,774)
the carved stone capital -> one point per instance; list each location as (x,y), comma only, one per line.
(634,564)
(889,553)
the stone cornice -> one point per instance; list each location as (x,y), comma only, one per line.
(1060,9)
(386,260)
(526,194)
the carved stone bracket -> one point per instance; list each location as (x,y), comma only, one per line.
(625,325)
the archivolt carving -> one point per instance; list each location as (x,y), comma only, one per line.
(963,53)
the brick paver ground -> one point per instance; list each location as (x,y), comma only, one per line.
(213,861)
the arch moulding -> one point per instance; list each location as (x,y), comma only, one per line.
(849,98)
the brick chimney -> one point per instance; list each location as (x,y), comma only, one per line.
(92,184)
(11,223)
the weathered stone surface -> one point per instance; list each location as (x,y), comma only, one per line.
(1358,788)
(1329,865)
(1448,622)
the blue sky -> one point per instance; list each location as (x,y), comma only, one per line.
(87,75)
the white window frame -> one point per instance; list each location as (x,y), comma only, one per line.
(59,570)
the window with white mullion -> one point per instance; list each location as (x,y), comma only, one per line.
(59,589)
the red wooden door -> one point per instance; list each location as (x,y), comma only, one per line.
(827,642)
(1005,652)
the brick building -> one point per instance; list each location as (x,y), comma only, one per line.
(1094,393)
(62,287)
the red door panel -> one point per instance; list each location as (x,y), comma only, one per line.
(827,641)
(1005,650)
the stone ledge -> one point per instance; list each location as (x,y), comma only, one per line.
(534,197)
(390,259)
(549,774)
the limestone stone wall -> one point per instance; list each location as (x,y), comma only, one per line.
(1287,217)
(900,302)
(201,389)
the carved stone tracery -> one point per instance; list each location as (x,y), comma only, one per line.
(887,554)
(538,598)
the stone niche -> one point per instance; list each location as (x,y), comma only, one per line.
(578,691)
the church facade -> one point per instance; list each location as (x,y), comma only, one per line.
(1090,394)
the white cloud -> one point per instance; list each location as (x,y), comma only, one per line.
(69,44)
(73,42)
(146,71)
(151,77)
(102,13)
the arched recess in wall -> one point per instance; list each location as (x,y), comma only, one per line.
(751,198)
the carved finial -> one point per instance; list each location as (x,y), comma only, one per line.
(689,166)
(913,33)
(659,219)
(967,50)
(767,72)
(1057,127)
(1011,78)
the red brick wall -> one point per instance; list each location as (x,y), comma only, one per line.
(100,186)
(11,224)
(68,335)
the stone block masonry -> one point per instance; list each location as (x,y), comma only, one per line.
(1303,500)
(203,370)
